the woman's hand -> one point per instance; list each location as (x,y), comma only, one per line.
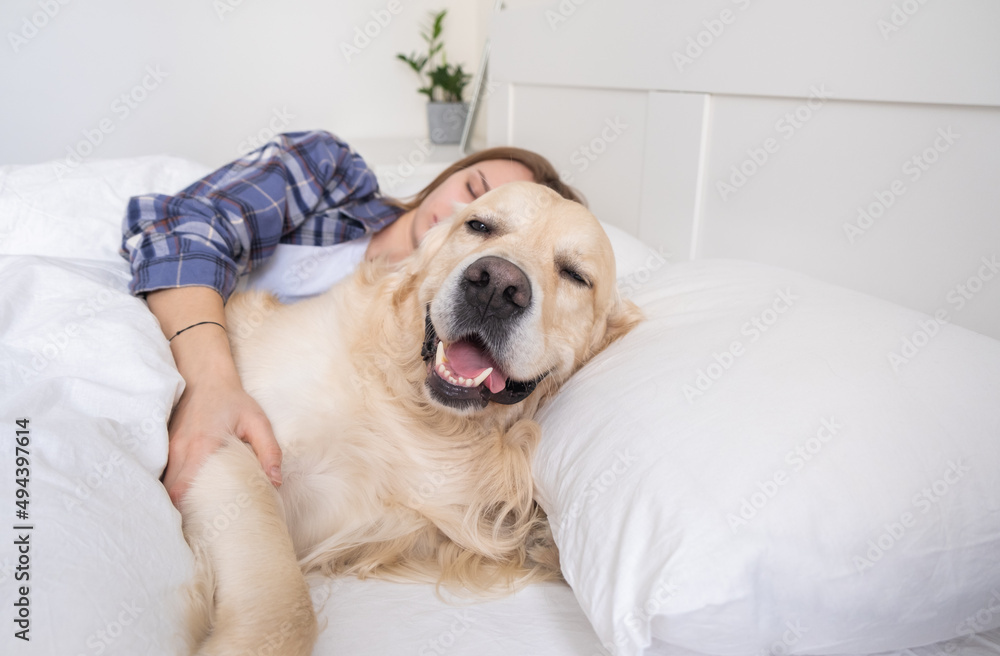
(198,424)
(214,402)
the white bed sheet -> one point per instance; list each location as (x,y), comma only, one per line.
(86,363)
(377,617)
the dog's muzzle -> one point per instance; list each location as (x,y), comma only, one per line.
(465,373)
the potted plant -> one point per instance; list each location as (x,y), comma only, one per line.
(442,83)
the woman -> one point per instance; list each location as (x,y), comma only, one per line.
(305,189)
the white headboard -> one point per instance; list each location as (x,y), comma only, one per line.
(856,141)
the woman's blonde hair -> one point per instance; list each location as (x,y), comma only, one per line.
(541,169)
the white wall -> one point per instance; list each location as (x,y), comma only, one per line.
(856,141)
(216,73)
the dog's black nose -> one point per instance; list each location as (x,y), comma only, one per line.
(495,286)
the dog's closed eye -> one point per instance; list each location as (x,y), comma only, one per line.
(571,268)
(573,275)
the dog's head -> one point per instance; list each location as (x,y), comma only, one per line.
(518,291)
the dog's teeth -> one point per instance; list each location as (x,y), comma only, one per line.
(439,358)
(481,377)
(442,369)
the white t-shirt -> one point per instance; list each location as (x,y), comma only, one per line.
(297,272)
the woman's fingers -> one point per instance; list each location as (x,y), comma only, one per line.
(198,427)
(255,429)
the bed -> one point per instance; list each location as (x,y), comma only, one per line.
(796,453)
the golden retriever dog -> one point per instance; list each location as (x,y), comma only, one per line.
(402,399)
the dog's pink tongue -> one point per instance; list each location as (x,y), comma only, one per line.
(466,360)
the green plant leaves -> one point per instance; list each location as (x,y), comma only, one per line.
(449,79)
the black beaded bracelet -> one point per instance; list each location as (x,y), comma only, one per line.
(200,323)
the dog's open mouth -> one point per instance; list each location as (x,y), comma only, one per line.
(464,375)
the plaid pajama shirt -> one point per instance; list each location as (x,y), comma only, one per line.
(300,188)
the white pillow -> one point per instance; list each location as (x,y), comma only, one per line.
(770,463)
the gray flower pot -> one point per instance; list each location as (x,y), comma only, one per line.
(445,121)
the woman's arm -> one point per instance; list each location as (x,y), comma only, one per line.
(214,402)
(188,250)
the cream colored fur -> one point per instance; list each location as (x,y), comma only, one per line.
(379,478)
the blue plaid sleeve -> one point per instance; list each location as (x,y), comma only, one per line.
(300,188)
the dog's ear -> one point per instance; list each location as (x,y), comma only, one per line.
(623,317)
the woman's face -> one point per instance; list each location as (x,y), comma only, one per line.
(463,187)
